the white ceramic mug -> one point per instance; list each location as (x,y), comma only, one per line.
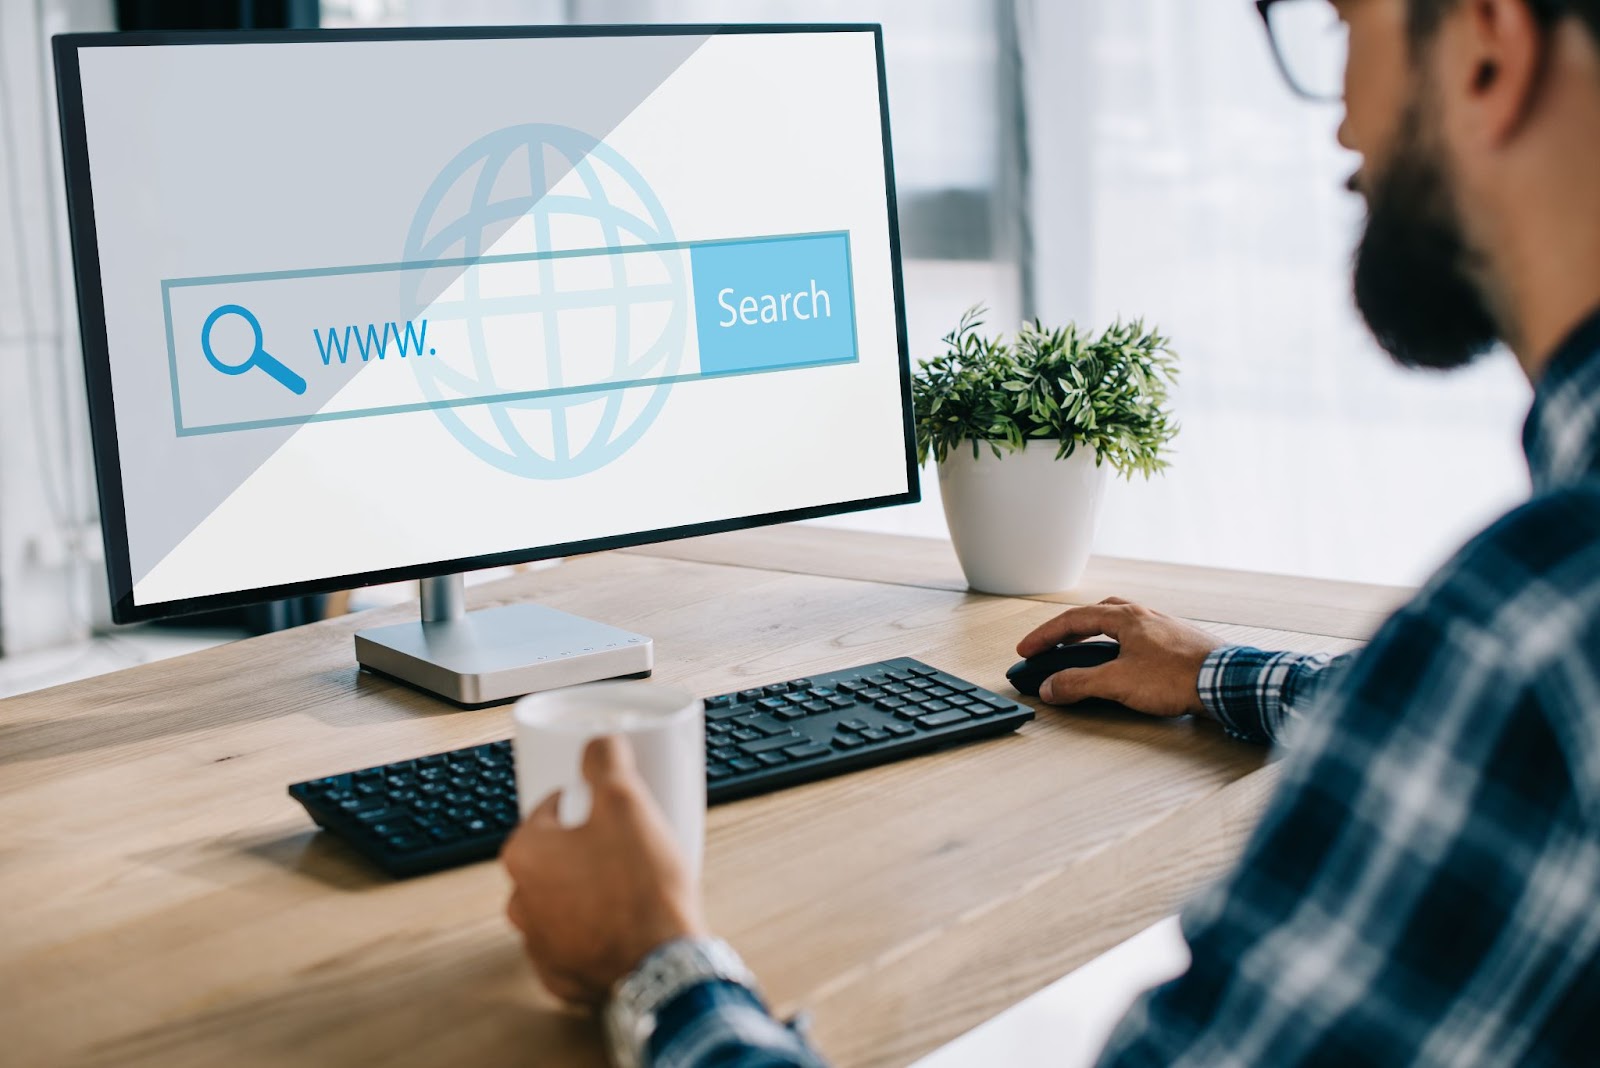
(664,726)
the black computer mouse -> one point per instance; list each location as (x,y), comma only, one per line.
(1028,675)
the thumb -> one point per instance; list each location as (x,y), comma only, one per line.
(1080,684)
(607,757)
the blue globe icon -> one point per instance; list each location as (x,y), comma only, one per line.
(536,189)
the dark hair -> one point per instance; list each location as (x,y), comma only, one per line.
(1427,14)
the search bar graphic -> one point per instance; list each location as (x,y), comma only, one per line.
(285,348)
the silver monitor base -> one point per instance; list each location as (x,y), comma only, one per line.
(498,654)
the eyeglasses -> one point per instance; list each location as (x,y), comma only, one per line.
(1311,45)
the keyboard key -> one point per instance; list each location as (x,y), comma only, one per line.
(897,676)
(921,669)
(718,771)
(789,714)
(847,741)
(798,697)
(920,684)
(772,704)
(908,713)
(399,826)
(378,815)
(745,734)
(815,707)
(854,725)
(726,752)
(744,765)
(899,689)
(772,760)
(961,700)
(838,701)
(720,714)
(889,704)
(404,843)
(444,832)
(721,701)
(749,695)
(876,680)
(944,719)
(807,751)
(771,729)
(849,686)
(776,688)
(958,686)
(362,804)
(799,684)
(980,710)
(476,827)
(767,745)
(875,734)
(940,691)
(899,730)
(872,693)
(934,706)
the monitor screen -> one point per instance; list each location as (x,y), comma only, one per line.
(370,306)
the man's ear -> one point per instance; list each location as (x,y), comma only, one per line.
(1499,55)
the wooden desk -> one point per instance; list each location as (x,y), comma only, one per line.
(164,902)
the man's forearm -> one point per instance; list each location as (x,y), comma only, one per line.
(1258,695)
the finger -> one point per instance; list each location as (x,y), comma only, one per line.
(606,758)
(546,815)
(1116,600)
(564,985)
(1073,624)
(516,913)
(1081,684)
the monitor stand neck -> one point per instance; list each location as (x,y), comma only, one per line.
(444,597)
(494,655)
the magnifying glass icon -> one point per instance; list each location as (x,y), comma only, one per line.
(258,356)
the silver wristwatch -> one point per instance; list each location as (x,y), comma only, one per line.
(630,1015)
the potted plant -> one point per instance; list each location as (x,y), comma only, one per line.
(1024,430)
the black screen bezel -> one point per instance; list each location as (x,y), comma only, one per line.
(96,354)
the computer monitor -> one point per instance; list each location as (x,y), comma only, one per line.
(362,306)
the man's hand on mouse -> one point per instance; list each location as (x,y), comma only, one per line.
(1158,670)
(593,901)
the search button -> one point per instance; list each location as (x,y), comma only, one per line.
(258,356)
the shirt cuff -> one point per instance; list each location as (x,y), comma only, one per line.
(721,1019)
(1248,690)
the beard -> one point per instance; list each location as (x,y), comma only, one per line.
(1413,270)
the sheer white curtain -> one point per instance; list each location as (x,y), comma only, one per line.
(1219,212)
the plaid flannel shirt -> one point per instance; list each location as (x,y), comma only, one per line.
(1424,887)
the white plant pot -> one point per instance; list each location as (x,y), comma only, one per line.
(1023,523)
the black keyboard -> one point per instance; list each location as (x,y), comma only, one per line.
(438,811)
